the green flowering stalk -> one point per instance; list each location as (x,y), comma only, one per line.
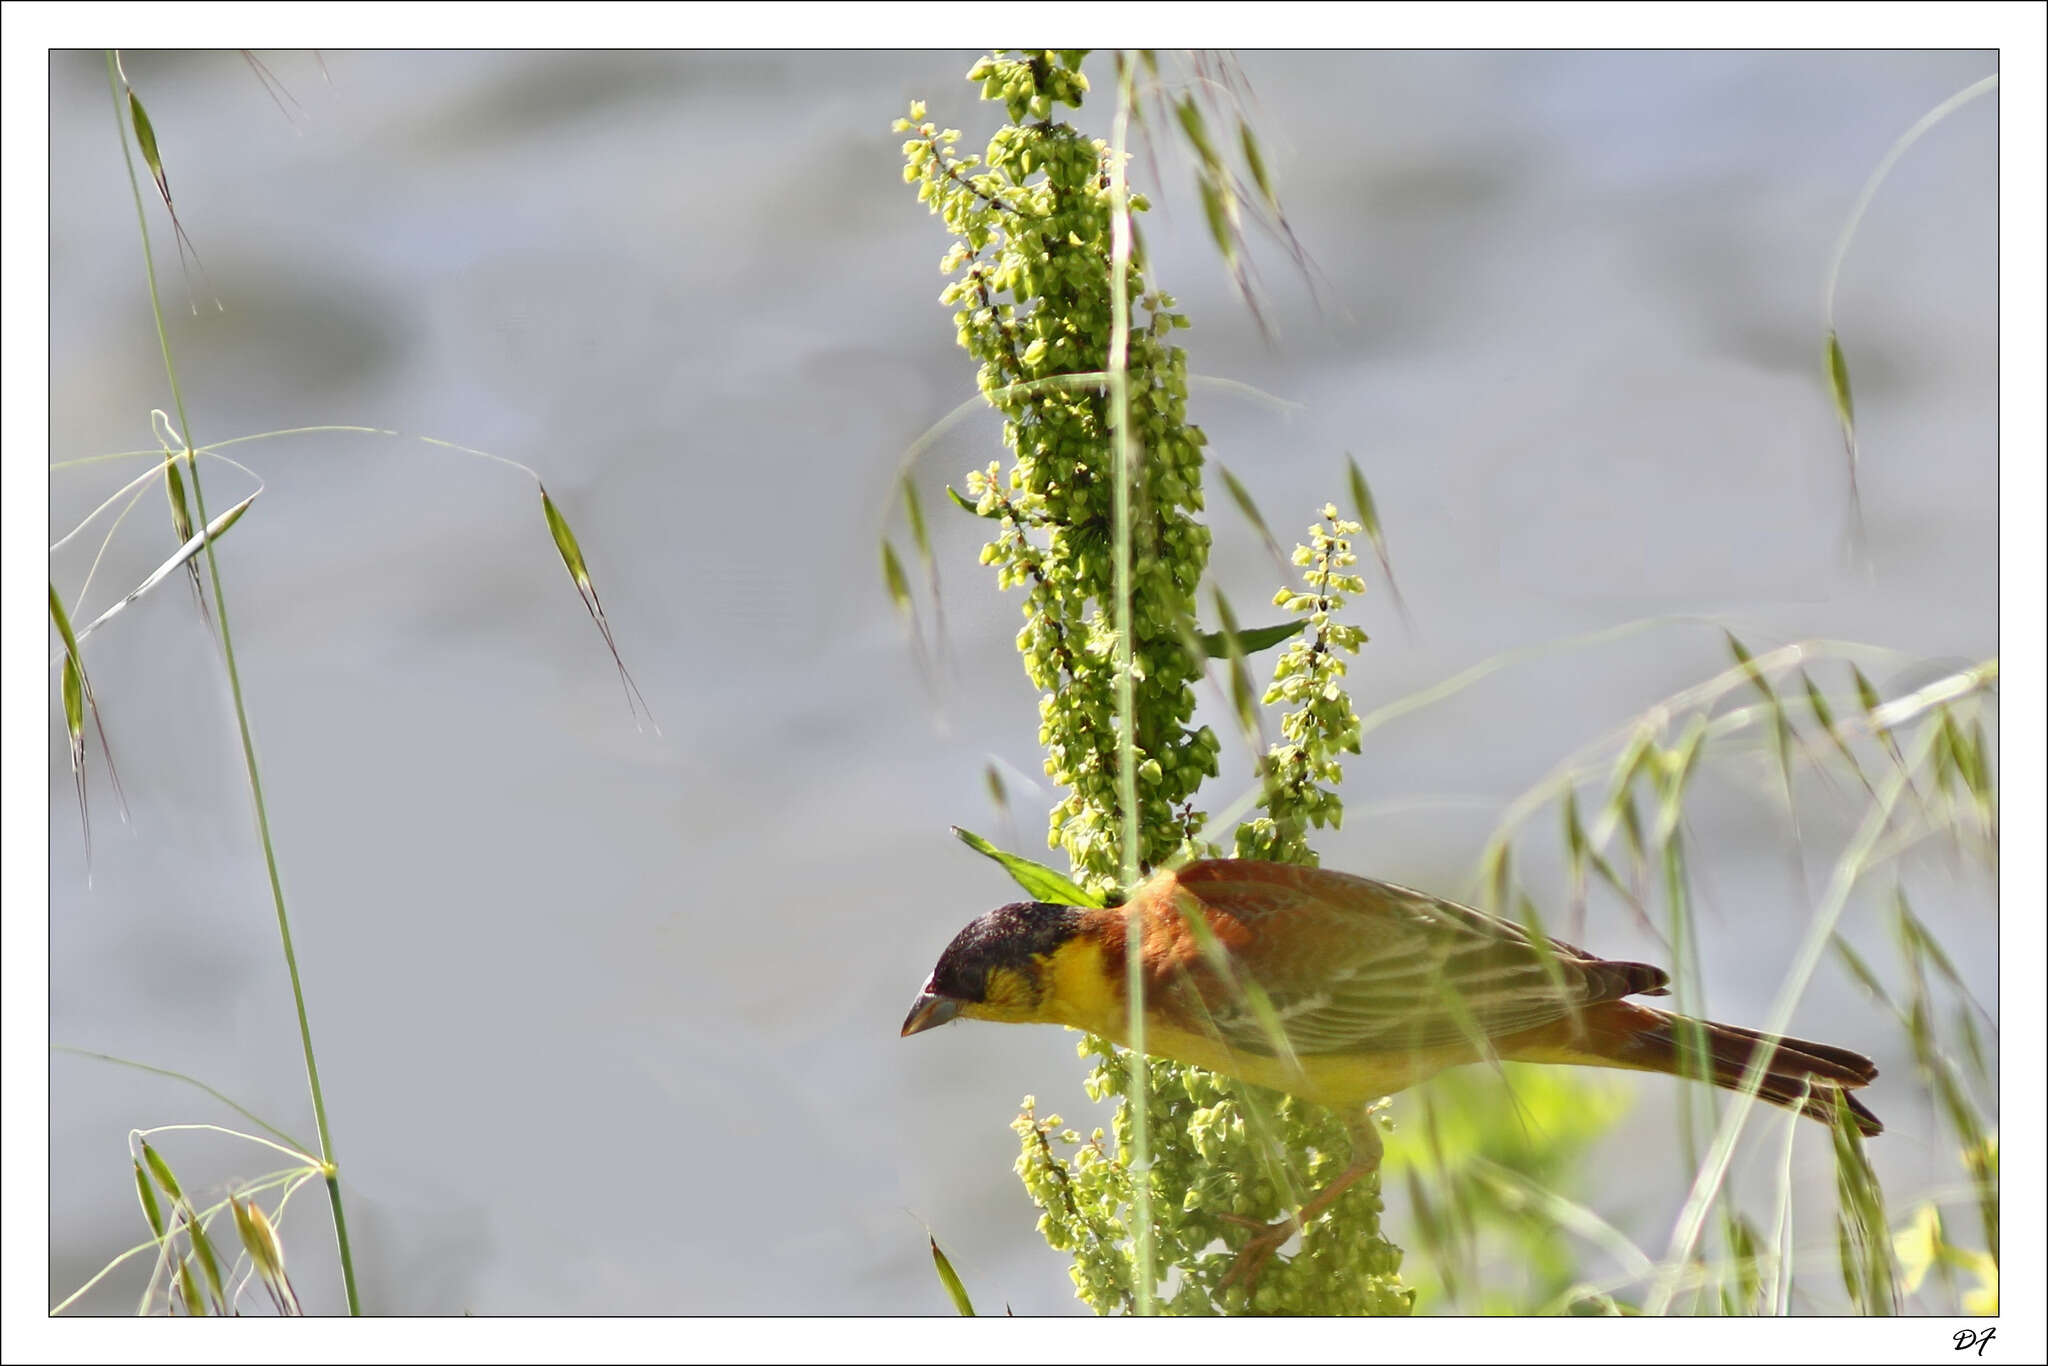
(1032,301)
(1033,264)
(1310,678)
(1228,1157)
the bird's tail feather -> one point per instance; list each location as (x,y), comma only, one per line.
(1801,1075)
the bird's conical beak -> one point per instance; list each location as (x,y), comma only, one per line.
(929,1011)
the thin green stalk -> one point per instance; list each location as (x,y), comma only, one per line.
(1126,705)
(1820,931)
(220,602)
(241,1110)
(1877,177)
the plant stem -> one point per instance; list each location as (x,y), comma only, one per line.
(220,603)
(1126,707)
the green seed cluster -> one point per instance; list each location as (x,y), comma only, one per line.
(1226,1156)
(1032,224)
(1302,771)
(1032,264)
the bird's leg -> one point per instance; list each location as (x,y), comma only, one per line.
(1365,1161)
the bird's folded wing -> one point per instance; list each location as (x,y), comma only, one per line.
(1352,965)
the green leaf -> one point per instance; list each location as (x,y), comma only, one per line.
(1867,698)
(1369,518)
(1781,728)
(951,1280)
(913,511)
(1826,716)
(1217,212)
(246,1231)
(181,522)
(1818,704)
(966,505)
(266,1254)
(209,1260)
(1243,698)
(1838,383)
(1497,870)
(1860,969)
(1745,1245)
(62,620)
(1043,883)
(186,555)
(145,138)
(1866,1240)
(1216,644)
(894,579)
(188,1289)
(1973,1044)
(1581,853)
(1677,768)
(161,1170)
(1256,164)
(146,1193)
(189,1220)
(1746,660)
(1919,941)
(565,541)
(1191,122)
(74,708)
(1361,494)
(579,573)
(1245,505)
(181,512)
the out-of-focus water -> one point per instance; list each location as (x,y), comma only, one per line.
(607,1020)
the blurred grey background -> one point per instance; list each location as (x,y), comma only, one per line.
(608,1020)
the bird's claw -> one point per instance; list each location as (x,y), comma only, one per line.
(1253,1256)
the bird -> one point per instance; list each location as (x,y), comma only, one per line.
(1342,990)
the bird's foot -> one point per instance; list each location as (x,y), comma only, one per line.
(1270,1238)
(1253,1256)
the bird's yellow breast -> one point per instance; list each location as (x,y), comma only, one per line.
(1084,994)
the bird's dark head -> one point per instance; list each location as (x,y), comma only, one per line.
(1004,966)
